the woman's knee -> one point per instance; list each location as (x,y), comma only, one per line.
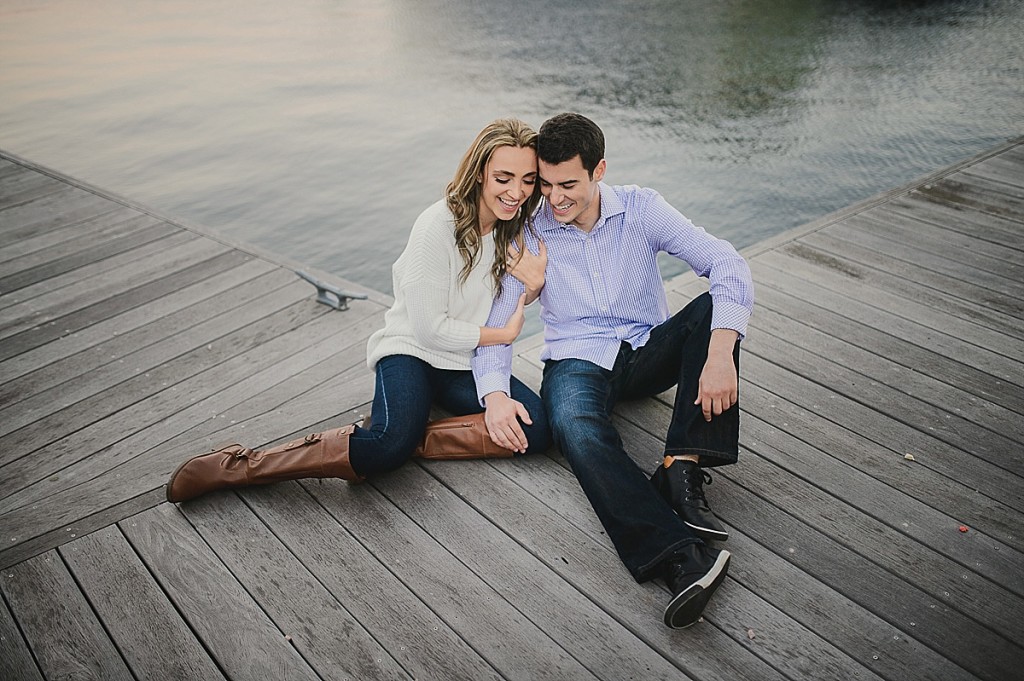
(382,449)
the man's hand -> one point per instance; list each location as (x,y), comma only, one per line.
(502,424)
(718,388)
(528,269)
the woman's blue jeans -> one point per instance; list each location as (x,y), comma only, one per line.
(406,388)
(579,397)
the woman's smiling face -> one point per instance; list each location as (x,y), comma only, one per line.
(509,178)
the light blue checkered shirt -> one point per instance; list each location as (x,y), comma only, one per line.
(604,287)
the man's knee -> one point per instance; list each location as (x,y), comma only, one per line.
(573,390)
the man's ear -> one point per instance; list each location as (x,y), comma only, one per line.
(599,170)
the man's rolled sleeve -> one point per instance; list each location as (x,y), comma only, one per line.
(729,315)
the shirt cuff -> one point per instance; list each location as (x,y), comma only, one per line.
(729,315)
(494,381)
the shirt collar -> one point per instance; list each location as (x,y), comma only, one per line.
(611,205)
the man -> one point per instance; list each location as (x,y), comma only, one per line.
(608,336)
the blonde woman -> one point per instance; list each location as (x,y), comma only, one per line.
(444,283)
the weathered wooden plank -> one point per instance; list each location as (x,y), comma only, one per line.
(142,462)
(49,299)
(18,188)
(570,542)
(887,433)
(117,339)
(543,594)
(138,323)
(179,250)
(862,635)
(977,194)
(320,383)
(478,608)
(9,168)
(858,474)
(990,291)
(65,636)
(78,430)
(320,627)
(15,658)
(943,423)
(887,650)
(875,520)
(931,666)
(47,240)
(974,647)
(933,319)
(418,638)
(149,370)
(1002,180)
(912,232)
(918,479)
(924,360)
(1014,152)
(963,218)
(118,303)
(20,548)
(135,613)
(108,238)
(945,399)
(66,207)
(1005,176)
(233,628)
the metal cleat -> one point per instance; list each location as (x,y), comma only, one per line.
(330,295)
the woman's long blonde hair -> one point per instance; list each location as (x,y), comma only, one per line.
(464,197)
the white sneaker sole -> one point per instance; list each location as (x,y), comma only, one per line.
(686,607)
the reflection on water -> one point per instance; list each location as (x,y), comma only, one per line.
(320,128)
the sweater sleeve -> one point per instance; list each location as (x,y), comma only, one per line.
(426,283)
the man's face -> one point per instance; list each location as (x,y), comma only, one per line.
(574,196)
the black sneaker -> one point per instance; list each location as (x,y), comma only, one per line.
(693,577)
(681,484)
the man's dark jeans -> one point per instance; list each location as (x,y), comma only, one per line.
(579,396)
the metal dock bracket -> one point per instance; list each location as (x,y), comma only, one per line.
(330,295)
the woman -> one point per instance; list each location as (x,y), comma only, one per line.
(444,284)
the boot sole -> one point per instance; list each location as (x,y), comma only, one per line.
(170,483)
(706,532)
(688,605)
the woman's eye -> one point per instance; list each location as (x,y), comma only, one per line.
(530,181)
(500,181)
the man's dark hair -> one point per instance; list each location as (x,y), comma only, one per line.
(564,136)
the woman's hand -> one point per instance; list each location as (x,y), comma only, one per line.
(502,420)
(528,269)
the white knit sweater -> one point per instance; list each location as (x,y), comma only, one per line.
(434,317)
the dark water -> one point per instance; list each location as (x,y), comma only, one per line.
(320,128)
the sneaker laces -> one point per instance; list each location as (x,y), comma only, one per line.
(696,478)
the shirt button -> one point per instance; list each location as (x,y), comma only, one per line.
(597,274)
(604,309)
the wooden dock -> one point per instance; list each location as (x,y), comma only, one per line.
(876,512)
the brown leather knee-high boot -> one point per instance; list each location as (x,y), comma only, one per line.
(318,455)
(460,437)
